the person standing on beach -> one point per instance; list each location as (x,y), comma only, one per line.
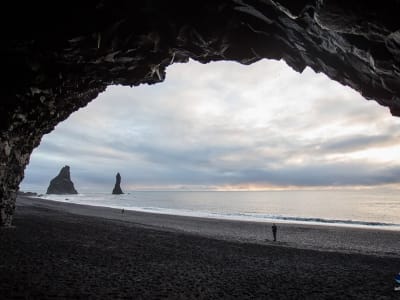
(274,229)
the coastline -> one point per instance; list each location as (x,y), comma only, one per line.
(303,236)
(69,251)
(263,207)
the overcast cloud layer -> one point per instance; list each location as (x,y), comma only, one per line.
(224,126)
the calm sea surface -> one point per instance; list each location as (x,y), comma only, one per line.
(379,208)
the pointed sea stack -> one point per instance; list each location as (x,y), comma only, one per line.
(117,188)
(62,184)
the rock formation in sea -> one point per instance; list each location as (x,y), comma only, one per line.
(62,184)
(58,56)
(117,188)
(27,194)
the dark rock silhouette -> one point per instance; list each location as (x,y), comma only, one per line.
(62,184)
(117,188)
(27,194)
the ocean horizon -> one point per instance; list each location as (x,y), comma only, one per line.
(370,208)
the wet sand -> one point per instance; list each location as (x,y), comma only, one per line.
(62,250)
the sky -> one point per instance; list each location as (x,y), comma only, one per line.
(224,126)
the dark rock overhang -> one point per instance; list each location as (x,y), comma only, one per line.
(57,56)
(62,49)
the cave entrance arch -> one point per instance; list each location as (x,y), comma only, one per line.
(58,57)
(223,126)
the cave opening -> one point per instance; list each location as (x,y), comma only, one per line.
(187,145)
(225,126)
(59,64)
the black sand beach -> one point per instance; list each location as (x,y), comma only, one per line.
(59,251)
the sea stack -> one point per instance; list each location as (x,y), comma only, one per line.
(62,184)
(117,188)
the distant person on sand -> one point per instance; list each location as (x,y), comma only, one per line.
(122,211)
(274,229)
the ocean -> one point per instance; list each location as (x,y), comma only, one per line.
(372,208)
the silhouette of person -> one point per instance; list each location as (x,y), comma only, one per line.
(122,211)
(274,229)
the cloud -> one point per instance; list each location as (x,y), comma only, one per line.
(224,124)
(336,174)
(359,142)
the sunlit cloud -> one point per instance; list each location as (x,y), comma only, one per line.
(225,126)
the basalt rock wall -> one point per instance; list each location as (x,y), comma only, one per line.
(57,56)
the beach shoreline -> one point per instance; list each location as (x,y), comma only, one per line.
(373,241)
(69,251)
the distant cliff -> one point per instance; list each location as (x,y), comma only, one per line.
(117,188)
(62,184)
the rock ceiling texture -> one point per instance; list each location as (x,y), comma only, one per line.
(57,56)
